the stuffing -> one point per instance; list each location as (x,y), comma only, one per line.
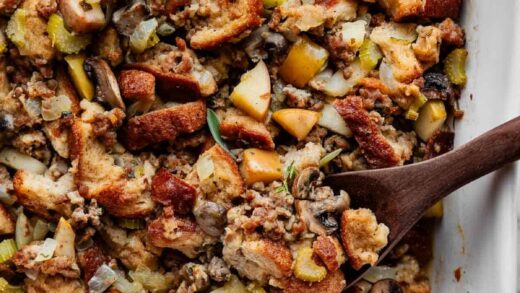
(55,284)
(172,191)
(362,237)
(402,9)
(398,53)
(439,143)
(34,144)
(223,184)
(8,6)
(6,221)
(297,16)
(378,152)
(309,156)
(452,33)
(329,250)
(164,124)
(427,47)
(403,143)
(42,195)
(137,85)
(225,21)
(37,45)
(130,248)
(194,278)
(182,234)
(296,98)
(57,131)
(218,270)
(243,131)
(90,259)
(178,72)
(334,283)
(257,259)
(108,46)
(97,176)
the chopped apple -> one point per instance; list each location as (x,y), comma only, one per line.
(298,122)
(64,237)
(304,61)
(260,166)
(253,94)
(431,118)
(83,85)
(331,120)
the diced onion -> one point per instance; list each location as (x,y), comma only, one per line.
(386,75)
(125,286)
(23,233)
(46,250)
(338,86)
(7,250)
(5,197)
(205,168)
(353,33)
(41,228)
(53,108)
(32,274)
(378,273)
(18,161)
(165,29)
(143,35)
(152,281)
(102,279)
(32,107)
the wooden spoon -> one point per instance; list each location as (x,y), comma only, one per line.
(399,196)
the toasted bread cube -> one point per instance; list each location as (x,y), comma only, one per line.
(258,260)
(235,18)
(137,85)
(42,195)
(177,233)
(442,8)
(164,124)
(172,191)
(402,9)
(237,128)
(260,166)
(329,250)
(362,237)
(221,181)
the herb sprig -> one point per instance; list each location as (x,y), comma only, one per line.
(214,128)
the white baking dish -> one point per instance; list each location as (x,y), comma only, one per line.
(479,230)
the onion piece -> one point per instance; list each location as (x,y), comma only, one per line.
(205,168)
(375,274)
(102,279)
(18,161)
(41,228)
(338,86)
(54,107)
(354,33)
(143,35)
(386,74)
(23,233)
(5,197)
(46,250)
(150,280)
(125,286)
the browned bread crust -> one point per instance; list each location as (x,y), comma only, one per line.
(136,84)
(333,283)
(172,191)
(164,125)
(238,128)
(377,150)
(235,18)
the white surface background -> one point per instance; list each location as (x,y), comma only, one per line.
(479,230)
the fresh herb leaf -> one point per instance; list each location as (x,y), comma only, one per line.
(214,128)
(329,157)
(289,174)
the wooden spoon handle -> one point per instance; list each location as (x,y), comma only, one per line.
(476,158)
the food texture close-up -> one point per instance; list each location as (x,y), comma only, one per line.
(183,145)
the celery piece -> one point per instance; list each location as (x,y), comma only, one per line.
(455,66)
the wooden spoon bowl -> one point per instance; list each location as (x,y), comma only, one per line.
(399,196)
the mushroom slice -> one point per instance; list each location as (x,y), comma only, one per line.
(318,215)
(127,18)
(107,88)
(386,286)
(82,17)
(304,182)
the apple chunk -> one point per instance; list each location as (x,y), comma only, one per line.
(431,118)
(298,122)
(253,94)
(260,166)
(331,120)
